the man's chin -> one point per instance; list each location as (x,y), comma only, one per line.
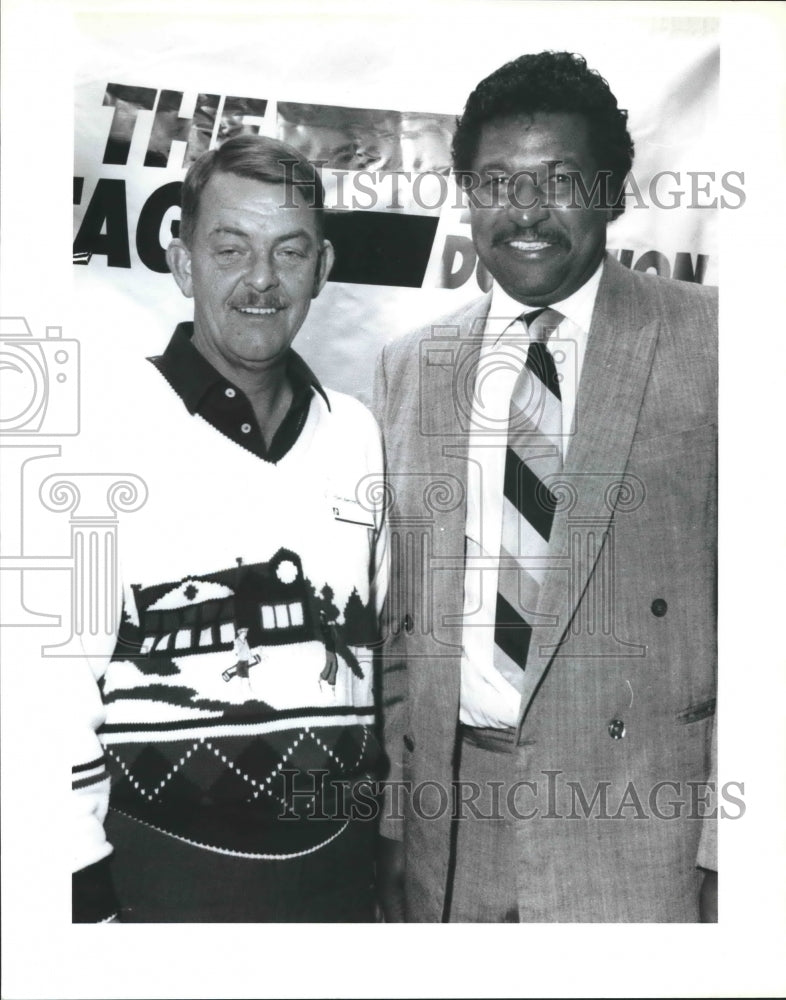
(528,278)
(535,293)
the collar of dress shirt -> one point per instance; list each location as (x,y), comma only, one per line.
(577,307)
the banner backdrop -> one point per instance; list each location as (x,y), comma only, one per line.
(376,106)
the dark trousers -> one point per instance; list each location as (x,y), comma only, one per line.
(160,879)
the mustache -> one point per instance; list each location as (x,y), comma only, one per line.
(259,302)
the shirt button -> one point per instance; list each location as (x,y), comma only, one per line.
(245,428)
(659,607)
(230,393)
(616,729)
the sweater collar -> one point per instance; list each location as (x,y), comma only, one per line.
(192,376)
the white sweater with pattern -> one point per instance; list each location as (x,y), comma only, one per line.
(247,607)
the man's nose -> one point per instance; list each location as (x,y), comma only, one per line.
(261,272)
(527,204)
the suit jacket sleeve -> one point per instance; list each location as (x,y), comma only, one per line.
(707,856)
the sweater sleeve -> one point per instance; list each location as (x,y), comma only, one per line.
(92,895)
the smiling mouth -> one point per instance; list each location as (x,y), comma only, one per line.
(258,311)
(528,246)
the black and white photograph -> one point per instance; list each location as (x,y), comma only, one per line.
(388,534)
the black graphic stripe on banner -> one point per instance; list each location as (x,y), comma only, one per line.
(378,248)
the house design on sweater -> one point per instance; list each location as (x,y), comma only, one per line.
(272,600)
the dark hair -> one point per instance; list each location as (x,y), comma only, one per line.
(256,157)
(550,81)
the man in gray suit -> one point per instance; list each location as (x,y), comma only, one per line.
(549,678)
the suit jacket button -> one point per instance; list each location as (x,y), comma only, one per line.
(616,729)
(659,607)
(408,624)
(409,743)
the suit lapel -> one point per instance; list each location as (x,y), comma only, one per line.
(439,472)
(447,376)
(614,376)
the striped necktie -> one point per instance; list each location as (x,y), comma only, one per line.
(533,453)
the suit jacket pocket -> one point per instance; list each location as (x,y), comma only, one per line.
(701,710)
(696,444)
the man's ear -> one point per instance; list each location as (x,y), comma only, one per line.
(327,258)
(178,258)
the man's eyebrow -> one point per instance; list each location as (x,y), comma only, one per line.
(283,238)
(494,165)
(296,234)
(562,161)
(228,231)
(553,163)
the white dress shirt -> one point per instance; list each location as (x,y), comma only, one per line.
(487,699)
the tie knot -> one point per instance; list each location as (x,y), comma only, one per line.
(541,323)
